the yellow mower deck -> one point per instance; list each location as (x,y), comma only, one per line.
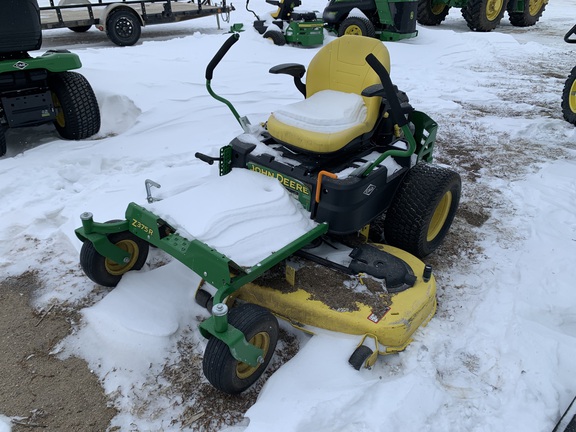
(391,320)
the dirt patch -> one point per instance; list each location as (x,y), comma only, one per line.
(38,390)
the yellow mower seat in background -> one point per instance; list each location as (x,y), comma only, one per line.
(336,76)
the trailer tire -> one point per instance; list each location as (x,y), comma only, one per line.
(226,373)
(533,10)
(123,27)
(80,29)
(275,36)
(77,112)
(2,140)
(484,15)
(106,272)
(569,98)
(423,209)
(431,15)
(359,357)
(357,26)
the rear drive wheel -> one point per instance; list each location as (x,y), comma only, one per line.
(275,36)
(484,15)
(77,112)
(532,12)
(226,373)
(2,140)
(106,272)
(356,26)
(123,27)
(423,209)
(569,98)
(431,14)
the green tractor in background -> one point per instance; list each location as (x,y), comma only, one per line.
(482,15)
(387,20)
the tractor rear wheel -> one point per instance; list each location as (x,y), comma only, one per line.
(569,98)
(2,140)
(357,26)
(275,36)
(106,272)
(431,14)
(423,209)
(484,15)
(77,112)
(226,373)
(532,12)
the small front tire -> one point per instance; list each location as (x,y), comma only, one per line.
(226,373)
(106,272)
(569,98)
(359,357)
(275,36)
(357,26)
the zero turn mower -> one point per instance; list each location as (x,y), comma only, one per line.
(359,169)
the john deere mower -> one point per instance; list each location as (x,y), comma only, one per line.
(37,90)
(356,159)
(569,93)
(482,15)
(387,20)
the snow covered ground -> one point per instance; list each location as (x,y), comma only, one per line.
(498,356)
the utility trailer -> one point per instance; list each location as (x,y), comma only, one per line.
(123,20)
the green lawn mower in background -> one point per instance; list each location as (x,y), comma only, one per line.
(37,90)
(569,93)
(482,15)
(387,20)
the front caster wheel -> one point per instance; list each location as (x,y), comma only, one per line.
(106,272)
(226,373)
(359,356)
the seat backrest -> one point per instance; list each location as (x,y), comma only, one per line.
(341,65)
(20,26)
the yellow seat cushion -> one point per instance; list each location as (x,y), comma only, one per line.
(339,67)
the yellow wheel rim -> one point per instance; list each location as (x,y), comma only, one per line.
(353,30)
(493,9)
(439,217)
(119,269)
(59,111)
(437,9)
(534,6)
(572,97)
(260,340)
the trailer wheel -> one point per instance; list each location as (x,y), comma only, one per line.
(226,373)
(569,98)
(123,27)
(80,29)
(484,15)
(431,14)
(359,356)
(533,10)
(2,140)
(106,272)
(77,112)
(275,36)
(356,26)
(423,209)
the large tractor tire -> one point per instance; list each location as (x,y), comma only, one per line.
(77,112)
(569,98)
(484,15)
(431,14)
(423,209)
(2,140)
(106,272)
(226,373)
(532,12)
(123,27)
(357,26)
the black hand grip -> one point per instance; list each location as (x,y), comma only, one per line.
(205,158)
(571,32)
(221,53)
(391,96)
